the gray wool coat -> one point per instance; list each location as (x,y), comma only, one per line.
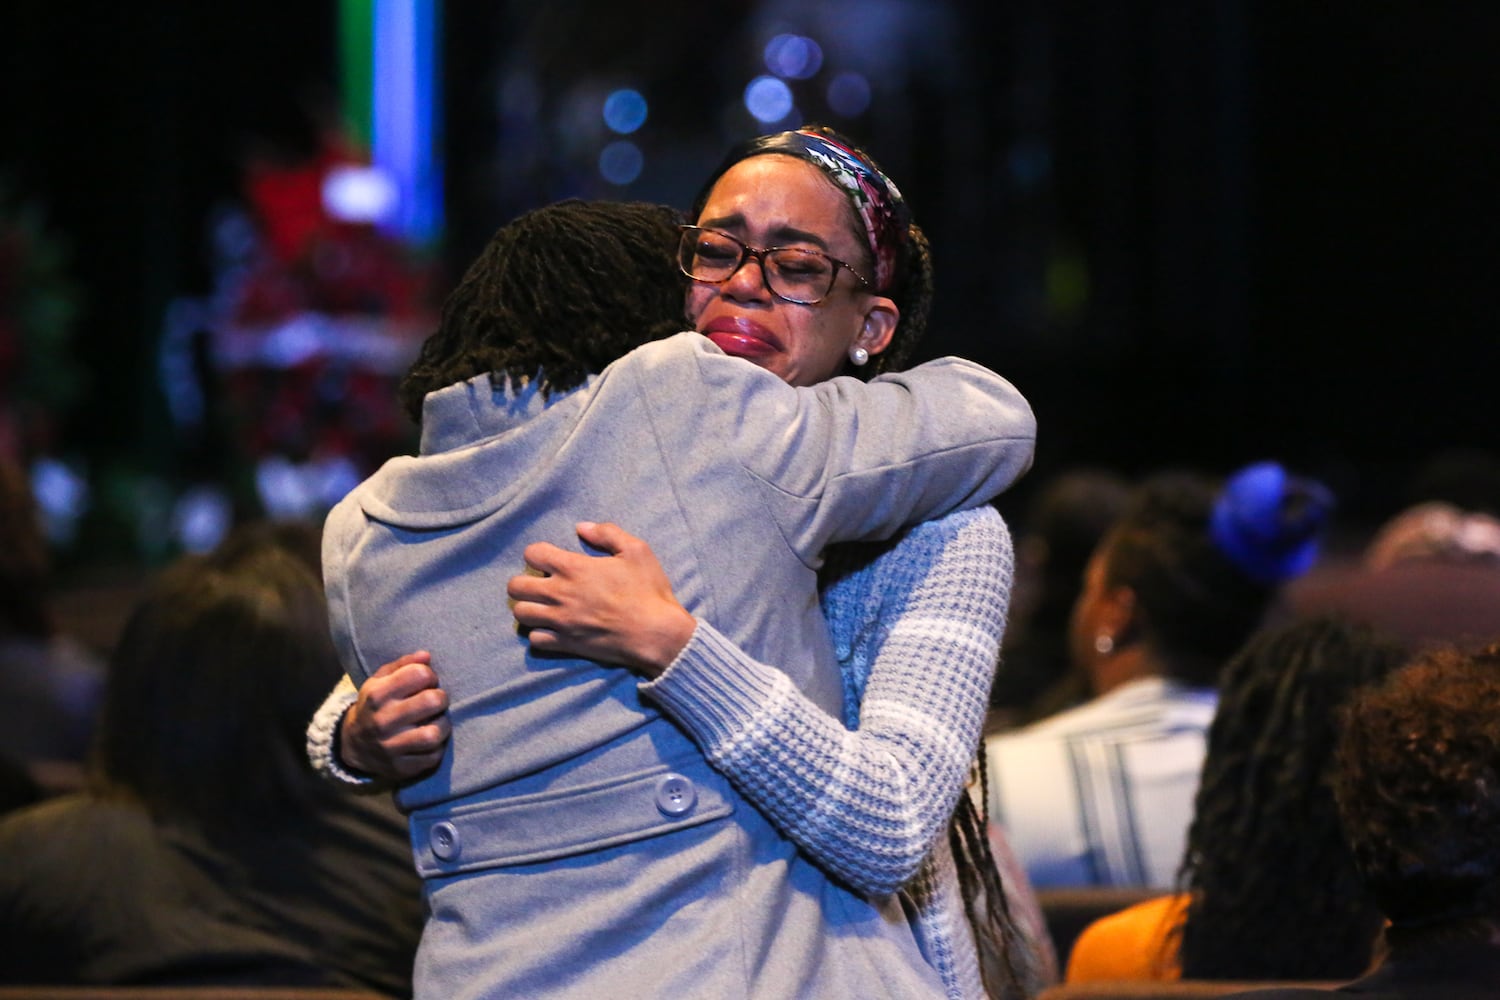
(573,842)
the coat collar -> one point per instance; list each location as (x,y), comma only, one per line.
(465,412)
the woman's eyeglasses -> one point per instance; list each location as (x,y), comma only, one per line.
(796,275)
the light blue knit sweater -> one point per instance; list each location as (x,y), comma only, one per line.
(917,626)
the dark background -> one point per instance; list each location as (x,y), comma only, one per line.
(1194,233)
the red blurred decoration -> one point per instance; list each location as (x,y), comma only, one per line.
(319,325)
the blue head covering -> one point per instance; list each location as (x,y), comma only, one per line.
(1269,523)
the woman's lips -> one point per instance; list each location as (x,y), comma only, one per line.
(742,338)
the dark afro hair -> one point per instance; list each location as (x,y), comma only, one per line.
(562,291)
(1418,773)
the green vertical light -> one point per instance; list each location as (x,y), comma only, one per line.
(357,62)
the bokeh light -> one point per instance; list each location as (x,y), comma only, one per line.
(62,497)
(360,194)
(621,162)
(625,111)
(201,518)
(849,94)
(768,99)
(793,57)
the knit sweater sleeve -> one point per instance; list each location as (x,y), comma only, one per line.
(917,631)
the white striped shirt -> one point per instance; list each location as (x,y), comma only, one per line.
(1103,794)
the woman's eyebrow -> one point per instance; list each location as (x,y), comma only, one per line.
(778,235)
(790,234)
(735,221)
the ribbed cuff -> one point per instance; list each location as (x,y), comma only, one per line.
(713,689)
(323,737)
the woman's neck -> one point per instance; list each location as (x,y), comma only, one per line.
(1122,666)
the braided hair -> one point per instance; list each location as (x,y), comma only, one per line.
(1008,962)
(1274,889)
(563,291)
(911,284)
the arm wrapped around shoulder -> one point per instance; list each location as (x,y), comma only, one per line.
(879,456)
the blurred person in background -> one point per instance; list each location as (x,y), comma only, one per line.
(50,684)
(1430,575)
(1059,531)
(1102,794)
(1268,887)
(205,850)
(1418,770)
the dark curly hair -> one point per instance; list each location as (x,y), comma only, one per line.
(1418,788)
(1274,891)
(912,285)
(1194,605)
(562,291)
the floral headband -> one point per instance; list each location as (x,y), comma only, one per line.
(876,200)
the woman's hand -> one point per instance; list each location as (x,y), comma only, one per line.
(398,729)
(616,608)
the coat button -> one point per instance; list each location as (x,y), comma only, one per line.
(445,841)
(675,795)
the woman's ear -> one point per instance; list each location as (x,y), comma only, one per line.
(881,317)
(1117,614)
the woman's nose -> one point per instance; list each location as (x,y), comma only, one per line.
(749,280)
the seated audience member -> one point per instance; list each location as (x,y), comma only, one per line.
(1269,890)
(1430,576)
(1418,771)
(1466,477)
(205,850)
(1059,531)
(49,684)
(1102,794)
